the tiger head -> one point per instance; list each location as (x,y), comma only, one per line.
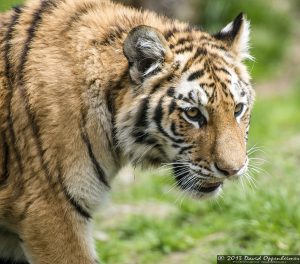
(189,104)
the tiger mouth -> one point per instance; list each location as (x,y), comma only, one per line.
(209,187)
(186,183)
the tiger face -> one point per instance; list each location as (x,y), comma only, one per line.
(194,103)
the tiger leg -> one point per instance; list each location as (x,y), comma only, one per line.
(54,234)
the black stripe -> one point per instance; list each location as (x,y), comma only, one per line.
(158,115)
(168,78)
(218,47)
(188,48)
(140,136)
(173,129)
(205,39)
(217,58)
(200,53)
(97,167)
(141,123)
(172,106)
(187,65)
(190,94)
(145,138)
(24,214)
(153,141)
(171,91)
(222,70)
(225,91)
(171,78)
(141,119)
(37,18)
(184,149)
(207,66)
(113,89)
(113,35)
(244,82)
(195,75)
(31,32)
(72,201)
(155,88)
(213,96)
(185,99)
(10,80)
(5,169)
(168,34)
(184,40)
(202,85)
(78,14)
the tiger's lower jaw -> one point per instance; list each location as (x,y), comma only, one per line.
(200,192)
(195,188)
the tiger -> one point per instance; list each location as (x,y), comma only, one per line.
(88,86)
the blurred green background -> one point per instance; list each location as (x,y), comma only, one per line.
(146,222)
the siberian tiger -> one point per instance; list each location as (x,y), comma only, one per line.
(89,85)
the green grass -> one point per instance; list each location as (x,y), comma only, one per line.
(260,220)
(6,4)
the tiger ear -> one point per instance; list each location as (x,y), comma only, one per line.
(236,35)
(145,49)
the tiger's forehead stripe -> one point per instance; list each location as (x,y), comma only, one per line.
(236,90)
(191,93)
(200,79)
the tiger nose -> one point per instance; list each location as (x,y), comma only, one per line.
(227,171)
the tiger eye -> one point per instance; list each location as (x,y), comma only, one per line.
(193,112)
(238,109)
(195,115)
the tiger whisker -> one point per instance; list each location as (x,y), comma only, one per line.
(251,181)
